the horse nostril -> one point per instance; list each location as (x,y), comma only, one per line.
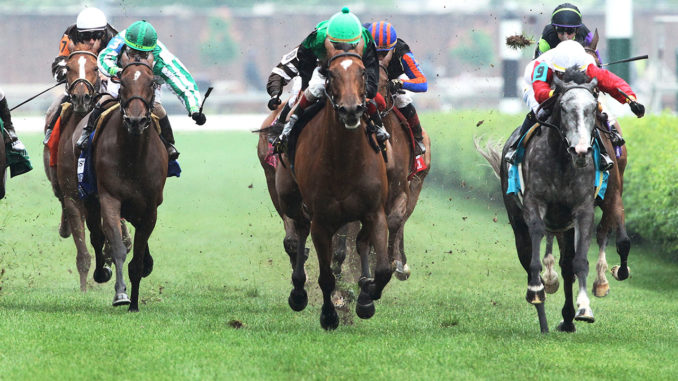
(342,109)
(360,108)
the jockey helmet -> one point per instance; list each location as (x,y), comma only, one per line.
(566,15)
(91,19)
(567,54)
(384,35)
(344,27)
(141,36)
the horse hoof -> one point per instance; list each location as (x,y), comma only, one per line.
(329,319)
(103,275)
(64,229)
(298,300)
(364,308)
(620,273)
(535,294)
(552,284)
(601,290)
(584,314)
(121,299)
(566,327)
(402,272)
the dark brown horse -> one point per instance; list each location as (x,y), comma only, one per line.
(3,171)
(82,86)
(130,162)
(403,189)
(339,179)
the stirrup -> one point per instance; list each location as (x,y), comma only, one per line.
(280,144)
(510,156)
(172,153)
(605,163)
(616,139)
(83,141)
(421,147)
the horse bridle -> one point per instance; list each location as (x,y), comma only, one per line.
(148,104)
(91,87)
(385,112)
(327,80)
(557,127)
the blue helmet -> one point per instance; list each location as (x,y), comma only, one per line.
(384,35)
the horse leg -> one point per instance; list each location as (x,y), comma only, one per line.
(102,272)
(298,298)
(339,249)
(378,229)
(396,223)
(365,305)
(550,280)
(528,240)
(566,245)
(74,214)
(136,267)
(110,210)
(622,271)
(601,287)
(582,226)
(322,239)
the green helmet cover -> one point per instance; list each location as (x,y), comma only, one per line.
(344,27)
(141,36)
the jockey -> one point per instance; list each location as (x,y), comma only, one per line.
(142,38)
(344,30)
(92,27)
(568,54)
(11,141)
(403,62)
(566,24)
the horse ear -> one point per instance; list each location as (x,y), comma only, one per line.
(388,57)
(360,48)
(124,58)
(329,47)
(594,41)
(594,83)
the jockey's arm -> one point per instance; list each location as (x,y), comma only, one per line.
(417,80)
(59,64)
(609,83)
(541,81)
(177,78)
(283,73)
(108,58)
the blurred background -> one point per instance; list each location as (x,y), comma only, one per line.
(232,45)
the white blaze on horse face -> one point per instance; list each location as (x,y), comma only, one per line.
(81,62)
(346,63)
(137,74)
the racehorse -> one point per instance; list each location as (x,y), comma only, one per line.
(338,178)
(130,162)
(3,171)
(83,85)
(558,173)
(403,188)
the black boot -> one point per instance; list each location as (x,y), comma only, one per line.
(168,138)
(605,162)
(529,121)
(83,141)
(52,122)
(10,134)
(413,120)
(280,143)
(280,119)
(380,131)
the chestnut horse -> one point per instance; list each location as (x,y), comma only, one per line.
(83,87)
(130,162)
(338,178)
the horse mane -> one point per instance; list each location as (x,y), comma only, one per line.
(573,74)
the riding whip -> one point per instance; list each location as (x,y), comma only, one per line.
(207,94)
(37,95)
(627,60)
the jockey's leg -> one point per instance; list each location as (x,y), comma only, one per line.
(19,162)
(413,120)
(605,162)
(529,121)
(52,122)
(305,100)
(98,109)
(166,134)
(10,134)
(373,106)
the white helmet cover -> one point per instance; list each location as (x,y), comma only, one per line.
(567,54)
(90,19)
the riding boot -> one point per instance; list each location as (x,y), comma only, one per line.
(280,119)
(83,141)
(605,162)
(52,122)
(10,134)
(413,120)
(529,121)
(168,138)
(280,143)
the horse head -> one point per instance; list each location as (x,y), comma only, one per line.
(576,110)
(346,79)
(137,92)
(592,48)
(83,78)
(384,61)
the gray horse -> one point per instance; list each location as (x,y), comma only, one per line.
(558,172)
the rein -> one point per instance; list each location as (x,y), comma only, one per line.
(557,101)
(125,103)
(91,87)
(327,81)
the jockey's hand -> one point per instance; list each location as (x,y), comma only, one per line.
(60,75)
(637,108)
(274,102)
(199,118)
(395,86)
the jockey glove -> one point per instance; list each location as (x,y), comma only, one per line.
(199,118)
(396,86)
(273,103)
(637,108)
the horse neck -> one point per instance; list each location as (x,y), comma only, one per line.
(340,143)
(132,147)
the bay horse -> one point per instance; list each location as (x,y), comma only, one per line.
(559,173)
(130,162)
(83,84)
(338,178)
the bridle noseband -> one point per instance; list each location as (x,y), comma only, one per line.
(147,103)
(557,127)
(329,96)
(91,87)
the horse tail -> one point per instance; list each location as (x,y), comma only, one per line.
(271,131)
(491,152)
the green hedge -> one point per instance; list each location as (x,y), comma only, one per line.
(650,193)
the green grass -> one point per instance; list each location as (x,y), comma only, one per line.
(219,259)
